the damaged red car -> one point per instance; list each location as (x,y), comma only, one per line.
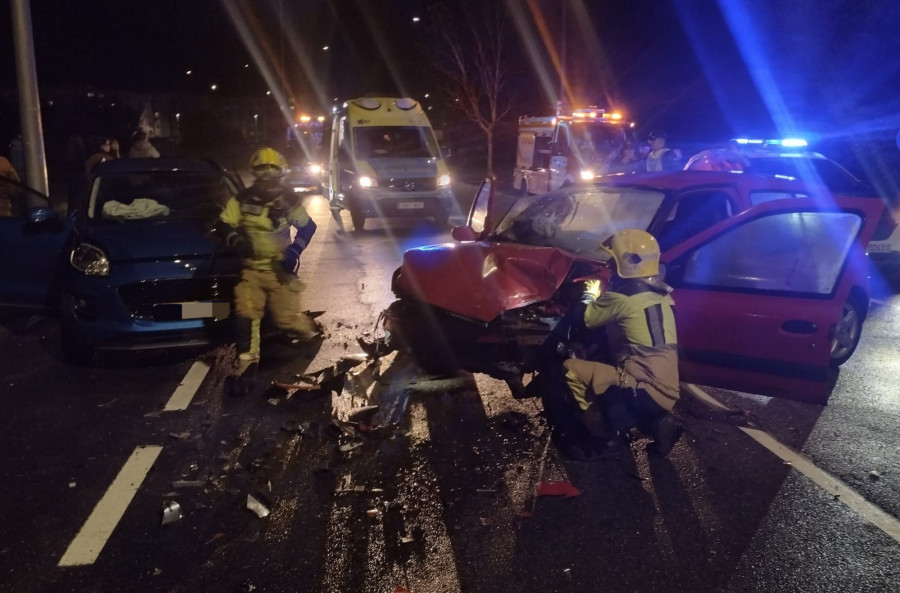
(769,276)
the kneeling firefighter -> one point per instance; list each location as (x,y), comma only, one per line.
(256,224)
(595,405)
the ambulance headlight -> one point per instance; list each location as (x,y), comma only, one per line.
(366,181)
(443,180)
(315,169)
(587,175)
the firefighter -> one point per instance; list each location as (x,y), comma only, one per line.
(256,224)
(595,405)
(662,158)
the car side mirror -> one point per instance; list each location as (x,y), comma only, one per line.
(42,215)
(463,233)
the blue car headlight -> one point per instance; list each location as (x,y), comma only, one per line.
(89,260)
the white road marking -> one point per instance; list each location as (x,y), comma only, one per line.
(830,484)
(185,391)
(855,501)
(87,545)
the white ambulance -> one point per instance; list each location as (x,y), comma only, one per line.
(561,150)
(383,160)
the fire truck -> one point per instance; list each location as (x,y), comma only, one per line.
(565,149)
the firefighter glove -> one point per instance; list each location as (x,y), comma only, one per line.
(592,290)
(291,261)
(240,245)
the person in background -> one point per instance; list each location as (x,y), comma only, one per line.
(142,148)
(628,160)
(8,191)
(593,406)
(662,158)
(114,150)
(17,154)
(100,152)
(256,224)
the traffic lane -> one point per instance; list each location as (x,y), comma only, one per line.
(855,436)
(456,508)
(68,431)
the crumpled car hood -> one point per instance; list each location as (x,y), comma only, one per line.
(482,279)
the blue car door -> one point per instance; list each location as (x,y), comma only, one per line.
(32,236)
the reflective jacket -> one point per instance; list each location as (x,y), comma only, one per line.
(640,327)
(264,213)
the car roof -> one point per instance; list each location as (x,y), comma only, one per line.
(194,165)
(680,180)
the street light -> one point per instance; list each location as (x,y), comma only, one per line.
(213,87)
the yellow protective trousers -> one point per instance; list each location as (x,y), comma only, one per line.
(276,291)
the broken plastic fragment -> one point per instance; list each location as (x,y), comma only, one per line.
(347,447)
(171,512)
(561,488)
(874,475)
(188,483)
(485,521)
(254,504)
(372,513)
(406,539)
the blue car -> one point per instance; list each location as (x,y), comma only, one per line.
(133,266)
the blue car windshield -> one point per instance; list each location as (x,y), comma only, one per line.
(159,195)
(579,219)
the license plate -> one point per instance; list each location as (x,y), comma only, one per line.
(410,205)
(879,248)
(204,310)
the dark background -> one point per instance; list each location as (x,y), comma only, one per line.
(704,70)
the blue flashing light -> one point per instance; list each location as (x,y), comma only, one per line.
(794,142)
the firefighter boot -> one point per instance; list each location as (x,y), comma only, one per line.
(242,381)
(665,432)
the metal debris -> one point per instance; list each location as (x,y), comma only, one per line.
(180,435)
(407,539)
(171,512)
(254,504)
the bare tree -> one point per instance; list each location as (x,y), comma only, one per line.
(474,69)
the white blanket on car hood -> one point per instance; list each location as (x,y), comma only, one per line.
(138,208)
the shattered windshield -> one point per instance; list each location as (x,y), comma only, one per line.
(579,220)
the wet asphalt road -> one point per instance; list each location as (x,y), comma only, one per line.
(435,492)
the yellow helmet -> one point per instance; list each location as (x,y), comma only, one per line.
(635,252)
(268,163)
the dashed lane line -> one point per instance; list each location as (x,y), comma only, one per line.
(86,546)
(184,393)
(841,491)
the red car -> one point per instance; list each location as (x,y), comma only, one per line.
(770,279)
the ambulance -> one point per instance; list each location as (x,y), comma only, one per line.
(383,160)
(563,150)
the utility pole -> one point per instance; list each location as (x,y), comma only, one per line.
(29,103)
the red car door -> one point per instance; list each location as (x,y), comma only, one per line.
(758,297)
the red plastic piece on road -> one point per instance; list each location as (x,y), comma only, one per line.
(561,488)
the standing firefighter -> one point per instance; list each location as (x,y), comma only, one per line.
(597,404)
(256,224)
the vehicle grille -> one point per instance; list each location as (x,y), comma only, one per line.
(140,297)
(408,183)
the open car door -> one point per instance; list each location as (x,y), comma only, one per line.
(31,237)
(759,298)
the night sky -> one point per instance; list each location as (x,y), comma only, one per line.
(700,68)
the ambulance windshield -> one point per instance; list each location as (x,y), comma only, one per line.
(395,142)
